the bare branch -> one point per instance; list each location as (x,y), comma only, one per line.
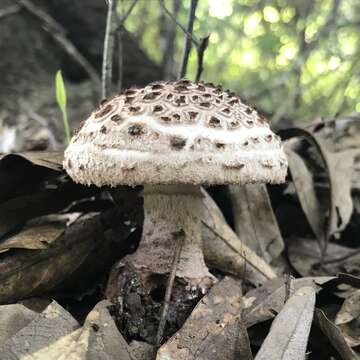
(127,14)
(186,31)
(204,42)
(109,43)
(169,48)
(189,39)
(120,35)
(179,238)
(58,33)
(9,10)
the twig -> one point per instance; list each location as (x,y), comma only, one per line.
(188,33)
(108,52)
(204,42)
(169,48)
(288,287)
(120,58)
(179,238)
(9,10)
(127,14)
(189,39)
(58,33)
(120,35)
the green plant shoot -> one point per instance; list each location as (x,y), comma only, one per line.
(61,100)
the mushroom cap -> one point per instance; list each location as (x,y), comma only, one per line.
(178,132)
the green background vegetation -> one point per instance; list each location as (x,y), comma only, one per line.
(295,59)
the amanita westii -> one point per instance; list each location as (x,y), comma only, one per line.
(173,137)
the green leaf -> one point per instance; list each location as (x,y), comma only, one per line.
(61,100)
(60,91)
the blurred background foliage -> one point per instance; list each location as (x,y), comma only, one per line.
(295,59)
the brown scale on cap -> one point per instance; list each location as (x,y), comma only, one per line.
(103,111)
(177,142)
(136,129)
(116,118)
(183,101)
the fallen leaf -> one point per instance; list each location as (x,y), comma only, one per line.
(340,170)
(30,272)
(13,318)
(263,303)
(224,251)
(335,336)
(288,336)
(348,319)
(211,327)
(48,159)
(255,222)
(305,190)
(49,326)
(34,238)
(304,256)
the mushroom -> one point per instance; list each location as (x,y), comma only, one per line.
(173,137)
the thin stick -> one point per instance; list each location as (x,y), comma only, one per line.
(121,58)
(204,42)
(120,35)
(188,33)
(108,52)
(58,33)
(288,287)
(179,238)
(189,40)
(123,18)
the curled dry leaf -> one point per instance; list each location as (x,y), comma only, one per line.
(305,189)
(338,167)
(25,273)
(34,238)
(335,336)
(255,221)
(348,319)
(224,251)
(263,303)
(288,336)
(304,255)
(341,167)
(48,159)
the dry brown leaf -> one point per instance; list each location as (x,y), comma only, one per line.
(305,190)
(335,336)
(340,171)
(262,303)
(34,238)
(48,159)
(49,326)
(224,251)
(13,318)
(304,255)
(25,273)
(348,319)
(211,327)
(255,221)
(289,333)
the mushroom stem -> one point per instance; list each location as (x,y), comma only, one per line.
(173,212)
